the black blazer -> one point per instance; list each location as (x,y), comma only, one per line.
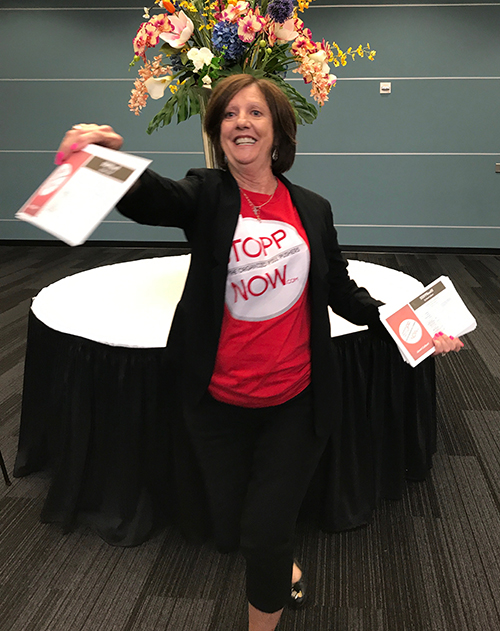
(206,205)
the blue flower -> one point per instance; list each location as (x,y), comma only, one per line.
(225,35)
(280,10)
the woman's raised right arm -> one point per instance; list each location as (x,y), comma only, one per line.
(152,200)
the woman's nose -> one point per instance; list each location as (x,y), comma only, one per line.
(242,119)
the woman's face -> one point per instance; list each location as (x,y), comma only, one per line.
(246,132)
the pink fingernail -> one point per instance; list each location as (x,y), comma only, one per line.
(451,337)
(59,159)
(440,333)
(74,146)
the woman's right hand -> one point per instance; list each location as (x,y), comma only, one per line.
(79,136)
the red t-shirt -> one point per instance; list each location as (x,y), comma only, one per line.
(264,355)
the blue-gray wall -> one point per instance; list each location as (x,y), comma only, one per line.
(413,168)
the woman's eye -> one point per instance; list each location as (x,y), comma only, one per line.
(228,114)
(256,112)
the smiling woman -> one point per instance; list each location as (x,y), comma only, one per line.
(255,372)
(267,109)
(259,416)
(247,139)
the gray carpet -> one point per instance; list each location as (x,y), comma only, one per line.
(430,562)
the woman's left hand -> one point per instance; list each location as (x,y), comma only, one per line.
(444,344)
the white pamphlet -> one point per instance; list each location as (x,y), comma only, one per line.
(412,325)
(79,194)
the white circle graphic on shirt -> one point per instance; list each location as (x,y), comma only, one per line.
(267,271)
(410,331)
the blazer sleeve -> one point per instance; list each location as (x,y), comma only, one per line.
(346,298)
(159,201)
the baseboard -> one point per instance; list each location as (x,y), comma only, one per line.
(406,249)
(182,247)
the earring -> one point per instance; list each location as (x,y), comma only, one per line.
(274,155)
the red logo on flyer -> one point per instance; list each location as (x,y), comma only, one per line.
(410,331)
(55,182)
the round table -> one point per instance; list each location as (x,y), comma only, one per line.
(100,411)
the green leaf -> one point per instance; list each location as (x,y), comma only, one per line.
(305,112)
(168,50)
(182,108)
(194,104)
(183,112)
(164,116)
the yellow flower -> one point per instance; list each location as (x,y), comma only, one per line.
(188,6)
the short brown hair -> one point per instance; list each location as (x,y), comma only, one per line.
(282,112)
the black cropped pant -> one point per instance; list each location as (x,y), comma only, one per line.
(257,464)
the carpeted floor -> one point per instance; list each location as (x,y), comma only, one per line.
(430,562)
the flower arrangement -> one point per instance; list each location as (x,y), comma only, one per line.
(203,41)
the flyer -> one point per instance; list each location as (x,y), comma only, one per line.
(81,192)
(414,324)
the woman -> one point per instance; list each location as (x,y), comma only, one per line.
(251,332)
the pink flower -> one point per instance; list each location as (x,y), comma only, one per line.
(182,29)
(314,70)
(307,69)
(303,46)
(142,85)
(327,48)
(285,32)
(148,34)
(249,26)
(321,88)
(233,11)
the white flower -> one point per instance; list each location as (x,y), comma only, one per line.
(156,86)
(207,82)
(320,58)
(200,57)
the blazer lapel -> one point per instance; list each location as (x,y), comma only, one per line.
(310,220)
(225,218)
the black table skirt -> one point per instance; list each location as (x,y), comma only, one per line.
(104,420)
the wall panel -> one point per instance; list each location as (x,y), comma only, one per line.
(413,168)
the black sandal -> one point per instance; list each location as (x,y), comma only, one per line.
(298,593)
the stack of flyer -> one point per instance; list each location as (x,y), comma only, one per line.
(79,194)
(438,308)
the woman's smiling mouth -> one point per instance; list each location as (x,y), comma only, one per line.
(245,140)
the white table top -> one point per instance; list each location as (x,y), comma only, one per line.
(132,304)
